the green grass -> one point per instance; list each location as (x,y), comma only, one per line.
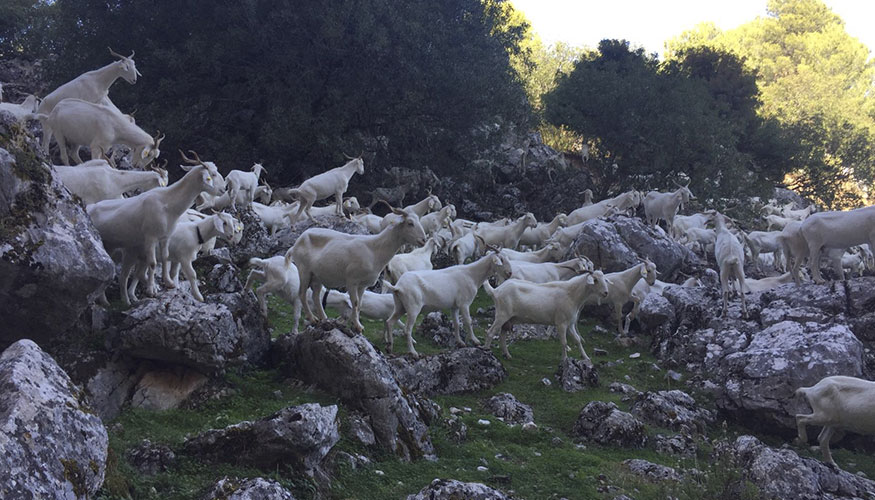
(539,464)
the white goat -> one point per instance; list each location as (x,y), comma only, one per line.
(552,252)
(798,214)
(79,122)
(451,288)
(465,246)
(565,235)
(665,206)
(588,212)
(620,285)
(426,205)
(642,289)
(537,236)
(838,403)
(376,306)
(764,242)
(274,217)
(730,259)
(333,182)
(703,236)
(280,276)
(244,184)
(768,283)
(543,272)
(92,86)
(95,180)
(370,221)
(682,223)
(555,303)
(184,243)
(331,258)
(837,230)
(416,260)
(22,111)
(433,221)
(776,221)
(142,224)
(794,248)
(507,236)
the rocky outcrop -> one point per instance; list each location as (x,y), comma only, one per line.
(285,238)
(507,407)
(455,371)
(166,389)
(150,459)
(248,489)
(52,262)
(782,474)
(339,362)
(450,489)
(299,436)
(602,422)
(619,243)
(207,336)
(674,410)
(51,444)
(574,375)
(650,471)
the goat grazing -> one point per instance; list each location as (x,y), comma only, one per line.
(333,182)
(449,288)
(730,259)
(333,259)
(838,403)
(555,303)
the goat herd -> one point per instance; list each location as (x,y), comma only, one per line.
(533,286)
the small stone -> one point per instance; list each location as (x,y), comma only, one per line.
(379,472)
(599,352)
(467,409)
(483,422)
(530,426)
(655,367)
(483,461)
(635,355)
(278,394)
(627,377)
(580,447)
(480,468)
(546,381)
(537,453)
(556,441)
(454,410)
(674,375)
(862,474)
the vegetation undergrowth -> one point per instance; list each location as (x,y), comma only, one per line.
(539,464)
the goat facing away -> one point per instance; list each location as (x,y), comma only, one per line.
(335,259)
(280,276)
(730,259)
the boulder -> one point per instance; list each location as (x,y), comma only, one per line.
(111,386)
(255,242)
(248,489)
(150,459)
(656,316)
(437,327)
(650,471)
(52,261)
(285,238)
(456,371)
(339,362)
(166,389)
(299,436)
(674,410)
(507,407)
(51,444)
(207,336)
(602,422)
(758,382)
(600,242)
(574,375)
(648,242)
(451,489)
(681,445)
(782,474)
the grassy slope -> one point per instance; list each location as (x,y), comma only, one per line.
(534,465)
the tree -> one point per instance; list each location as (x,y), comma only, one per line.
(297,83)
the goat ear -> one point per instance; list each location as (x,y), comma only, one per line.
(219,223)
(590,280)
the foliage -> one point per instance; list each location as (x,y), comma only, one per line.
(817,81)
(295,84)
(649,123)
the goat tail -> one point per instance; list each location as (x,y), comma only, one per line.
(389,286)
(489,290)
(289,259)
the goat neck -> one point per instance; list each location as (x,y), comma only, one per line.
(629,277)
(481,269)
(107,75)
(182,193)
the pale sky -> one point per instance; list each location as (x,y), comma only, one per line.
(649,23)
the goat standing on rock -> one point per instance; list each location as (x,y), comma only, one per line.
(333,182)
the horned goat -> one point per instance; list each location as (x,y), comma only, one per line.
(79,122)
(665,206)
(837,230)
(334,259)
(92,86)
(555,303)
(280,276)
(244,184)
(838,403)
(333,182)
(140,225)
(730,259)
(96,180)
(451,288)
